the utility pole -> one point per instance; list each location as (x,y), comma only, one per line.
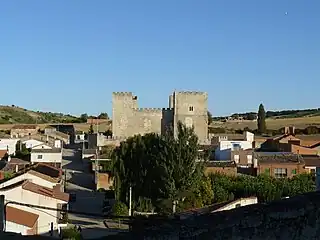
(130,201)
(2,214)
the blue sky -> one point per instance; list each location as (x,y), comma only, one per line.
(69,56)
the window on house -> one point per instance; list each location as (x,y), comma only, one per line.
(236,146)
(313,171)
(191,109)
(294,171)
(39,156)
(238,205)
(236,158)
(249,159)
(280,172)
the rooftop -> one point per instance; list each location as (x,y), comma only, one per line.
(3,153)
(21,217)
(11,165)
(44,150)
(220,164)
(48,192)
(311,160)
(25,126)
(278,157)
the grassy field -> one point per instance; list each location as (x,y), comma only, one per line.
(274,124)
(13,114)
(78,126)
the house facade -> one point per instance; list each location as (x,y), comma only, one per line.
(9,145)
(80,137)
(18,131)
(31,193)
(225,146)
(41,174)
(21,221)
(52,156)
(280,165)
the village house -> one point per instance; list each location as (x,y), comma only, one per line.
(36,144)
(223,167)
(20,221)
(312,162)
(226,146)
(18,131)
(51,157)
(288,142)
(41,174)
(12,165)
(279,165)
(35,139)
(30,193)
(9,145)
(3,154)
(80,137)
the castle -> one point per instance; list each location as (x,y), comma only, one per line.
(191,108)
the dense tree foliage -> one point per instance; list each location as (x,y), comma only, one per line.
(262,127)
(264,187)
(159,168)
(103,116)
(209,118)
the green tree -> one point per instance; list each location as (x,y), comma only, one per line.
(262,127)
(168,163)
(84,117)
(209,118)
(91,131)
(103,116)
(120,209)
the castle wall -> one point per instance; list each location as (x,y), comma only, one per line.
(122,113)
(147,120)
(191,108)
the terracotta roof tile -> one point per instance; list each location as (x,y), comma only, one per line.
(21,217)
(48,192)
(25,126)
(3,153)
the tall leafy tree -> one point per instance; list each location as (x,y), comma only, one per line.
(209,118)
(157,167)
(262,127)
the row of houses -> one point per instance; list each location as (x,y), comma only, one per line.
(280,156)
(37,184)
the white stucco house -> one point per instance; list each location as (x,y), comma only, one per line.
(20,221)
(28,192)
(35,144)
(8,144)
(80,137)
(49,156)
(40,174)
(225,146)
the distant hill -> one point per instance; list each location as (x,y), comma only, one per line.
(13,114)
(275,114)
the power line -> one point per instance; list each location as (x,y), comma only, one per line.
(67,211)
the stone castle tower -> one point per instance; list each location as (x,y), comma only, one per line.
(188,107)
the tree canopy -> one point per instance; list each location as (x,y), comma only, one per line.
(158,167)
(262,127)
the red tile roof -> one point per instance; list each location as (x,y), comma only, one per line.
(3,153)
(48,192)
(21,217)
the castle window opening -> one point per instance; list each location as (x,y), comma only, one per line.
(191,108)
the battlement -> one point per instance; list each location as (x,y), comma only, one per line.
(148,109)
(123,93)
(191,93)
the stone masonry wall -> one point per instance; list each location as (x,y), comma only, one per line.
(128,119)
(294,218)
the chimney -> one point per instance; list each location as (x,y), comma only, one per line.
(9,158)
(17,168)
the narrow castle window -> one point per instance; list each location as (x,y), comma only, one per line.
(191,109)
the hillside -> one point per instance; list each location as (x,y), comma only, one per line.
(283,114)
(13,114)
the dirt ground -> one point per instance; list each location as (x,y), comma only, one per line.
(271,123)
